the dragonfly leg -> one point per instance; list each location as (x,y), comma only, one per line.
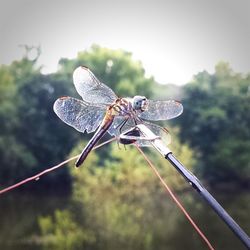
(135,121)
(139,118)
(121,125)
(118,144)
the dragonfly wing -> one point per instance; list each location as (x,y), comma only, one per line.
(90,88)
(78,114)
(118,127)
(162,110)
(158,131)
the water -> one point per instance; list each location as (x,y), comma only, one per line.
(18,224)
(19,221)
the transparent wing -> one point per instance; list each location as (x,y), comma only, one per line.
(162,110)
(163,133)
(78,114)
(90,88)
(116,129)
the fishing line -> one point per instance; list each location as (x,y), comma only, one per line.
(37,176)
(198,230)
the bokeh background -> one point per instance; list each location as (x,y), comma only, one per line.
(193,51)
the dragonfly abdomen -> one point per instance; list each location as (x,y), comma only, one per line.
(106,123)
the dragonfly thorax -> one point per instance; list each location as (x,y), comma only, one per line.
(129,107)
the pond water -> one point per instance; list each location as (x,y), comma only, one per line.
(19,220)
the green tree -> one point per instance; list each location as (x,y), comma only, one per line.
(115,68)
(7,122)
(216,122)
(31,136)
(36,136)
(118,202)
(62,232)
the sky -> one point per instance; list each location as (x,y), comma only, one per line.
(174,39)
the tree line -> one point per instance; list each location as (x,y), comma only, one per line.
(214,128)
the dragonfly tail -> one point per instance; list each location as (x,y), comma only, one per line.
(83,155)
(92,142)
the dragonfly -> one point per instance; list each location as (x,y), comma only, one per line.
(101,110)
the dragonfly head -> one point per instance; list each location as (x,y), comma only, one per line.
(139,103)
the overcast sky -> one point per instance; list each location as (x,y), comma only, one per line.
(174,39)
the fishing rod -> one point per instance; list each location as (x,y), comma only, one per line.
(133,134)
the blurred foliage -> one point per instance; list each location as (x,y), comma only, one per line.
(115,68)
(167,91)
(34,134)
(215,119)
(116,200)
(31,137)
(62,232)
(216,122)
(118,204)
